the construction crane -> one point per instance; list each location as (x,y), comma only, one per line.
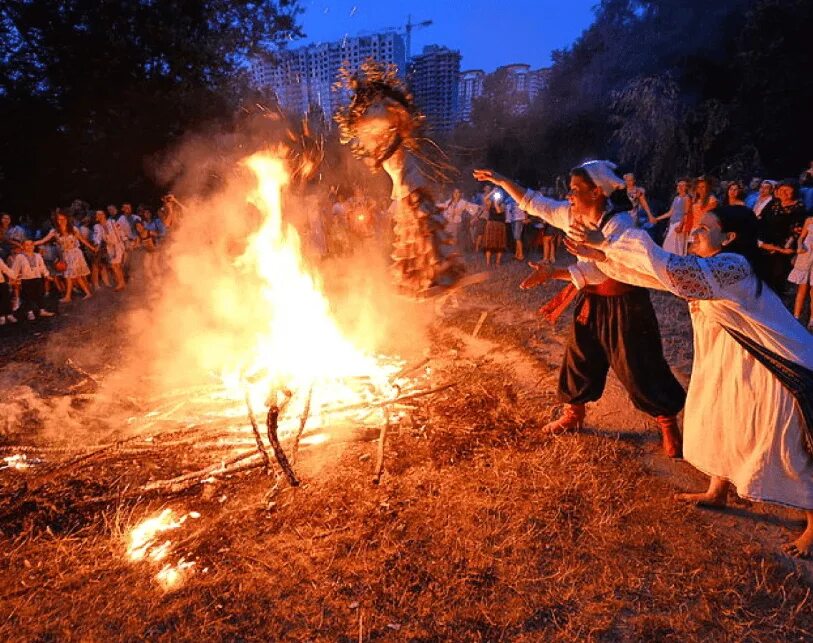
(409,26)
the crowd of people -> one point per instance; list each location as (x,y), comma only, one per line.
(77,250)
(492,222)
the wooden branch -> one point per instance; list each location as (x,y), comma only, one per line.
(271,426)
(479,325)
(411,368)
(219,469)
(379,462)
(303,419)
(395,400)
(257,437)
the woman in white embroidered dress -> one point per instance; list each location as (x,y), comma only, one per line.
(107,237)
(676,238)
(76,268)
(742,425)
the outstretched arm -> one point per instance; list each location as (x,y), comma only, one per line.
(689,277)
(51,234)
(515,190)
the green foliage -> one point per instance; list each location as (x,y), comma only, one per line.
(92,90)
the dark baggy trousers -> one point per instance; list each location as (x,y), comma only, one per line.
(619,332)
(32,295)
(5,299)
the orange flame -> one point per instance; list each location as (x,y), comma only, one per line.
(297,342)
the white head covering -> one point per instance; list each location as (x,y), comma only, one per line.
(603,175)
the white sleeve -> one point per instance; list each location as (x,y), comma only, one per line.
(557,213)
(42,270)
(585,273)
(688,277)
(8,272)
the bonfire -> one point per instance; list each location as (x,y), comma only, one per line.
(297,382)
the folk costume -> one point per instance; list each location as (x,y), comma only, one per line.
(71,252)
(31,271)
(777,227)
(749,408)
(382,126)
(6,274)
(677,237)
(614,325)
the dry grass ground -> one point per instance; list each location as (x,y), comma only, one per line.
(481,530)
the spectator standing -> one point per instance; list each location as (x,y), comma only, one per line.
(677,236)
(494,235)
(6,275)
(763,198)
(70,242)
(637,196)
(753,192)
(29,268)
(515,218)
(108,239)
(802,273)
(779,230)
(458,213)
(145,245)
(702,202)
(734,194)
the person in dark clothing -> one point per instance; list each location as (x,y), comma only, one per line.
(779,229)
(614,325)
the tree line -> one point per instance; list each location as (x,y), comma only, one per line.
(666,87)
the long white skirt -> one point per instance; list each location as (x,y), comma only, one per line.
(675,242)
(742,424)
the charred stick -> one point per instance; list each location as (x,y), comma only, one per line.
(479,325)
(303,419)
(382,437)
(395,400)
(221,468)
(257,437)
(271,425)
(411,368)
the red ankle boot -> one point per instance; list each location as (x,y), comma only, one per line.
(670,434)
(572,419)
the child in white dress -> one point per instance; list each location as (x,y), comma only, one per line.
(802,273)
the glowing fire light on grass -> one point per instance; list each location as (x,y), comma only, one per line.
(18,462)
(143,545)
(142,538)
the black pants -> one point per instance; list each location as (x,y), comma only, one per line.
(32,295)
(621,332)
(5,299)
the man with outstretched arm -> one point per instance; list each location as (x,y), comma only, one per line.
(614,325)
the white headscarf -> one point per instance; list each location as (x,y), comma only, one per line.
(603,175)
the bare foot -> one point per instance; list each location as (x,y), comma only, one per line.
(802,547)
(704,499)
(88,296)
(65,300)
(118,288)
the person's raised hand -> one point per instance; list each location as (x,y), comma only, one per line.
(583,251)
(542,273)
(489,176)
(584,235)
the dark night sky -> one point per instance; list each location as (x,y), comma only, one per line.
(522,31)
